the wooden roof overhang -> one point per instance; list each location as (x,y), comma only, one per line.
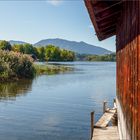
(104,15)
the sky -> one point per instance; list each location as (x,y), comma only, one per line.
(34,20)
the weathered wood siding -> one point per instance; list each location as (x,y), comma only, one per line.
(128,68)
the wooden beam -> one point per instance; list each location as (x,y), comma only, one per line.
(104,16)
(89,6)
(100,3)
(108,8)
(106,36)
(109,31)
(104,29)
(94,1)
(100,19)
(107,23)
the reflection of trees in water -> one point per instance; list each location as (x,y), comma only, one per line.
(9,91)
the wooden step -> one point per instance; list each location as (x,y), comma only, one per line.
(105,119)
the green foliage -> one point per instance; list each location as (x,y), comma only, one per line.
(41,53)
(47,53)
(53,53)
(5,45)
(24,48)
(15,65)
(107,57)
(16,61)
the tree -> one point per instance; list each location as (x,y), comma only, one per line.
(28,49)
(41,53)
(18,48)
(5,45)
(47,53)
(52,53)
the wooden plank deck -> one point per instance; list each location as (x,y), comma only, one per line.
(101,129)
(106,118)
(108,133)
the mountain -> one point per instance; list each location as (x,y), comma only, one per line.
(78,47)
(12,42)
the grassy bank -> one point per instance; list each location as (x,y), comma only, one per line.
(51,69)
(15,66)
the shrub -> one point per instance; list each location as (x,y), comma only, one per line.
(17,65)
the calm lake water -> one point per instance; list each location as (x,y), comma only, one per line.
(56,107)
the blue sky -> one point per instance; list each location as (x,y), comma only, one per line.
(31,21)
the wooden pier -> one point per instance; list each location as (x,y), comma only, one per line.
(101,130)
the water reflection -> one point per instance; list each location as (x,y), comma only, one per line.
(9,91)
(56,107)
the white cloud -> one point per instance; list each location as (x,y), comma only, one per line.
(55,2)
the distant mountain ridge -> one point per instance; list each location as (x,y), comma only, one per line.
(12,42)
(78,47)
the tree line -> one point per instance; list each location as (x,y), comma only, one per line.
(107,57)
(43,53)
(53,53)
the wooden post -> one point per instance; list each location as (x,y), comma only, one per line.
(92,123)
(104,106)
(114,103)
(114,100)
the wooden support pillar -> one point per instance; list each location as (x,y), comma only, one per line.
(114,103)
(92,123)
(104,106)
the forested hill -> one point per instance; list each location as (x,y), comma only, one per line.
(78,47)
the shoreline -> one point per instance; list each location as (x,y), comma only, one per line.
(40,69)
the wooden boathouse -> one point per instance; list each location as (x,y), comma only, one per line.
(122,19)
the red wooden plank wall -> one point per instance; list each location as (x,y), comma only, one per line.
(128,66)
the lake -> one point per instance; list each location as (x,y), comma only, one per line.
(56,107)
